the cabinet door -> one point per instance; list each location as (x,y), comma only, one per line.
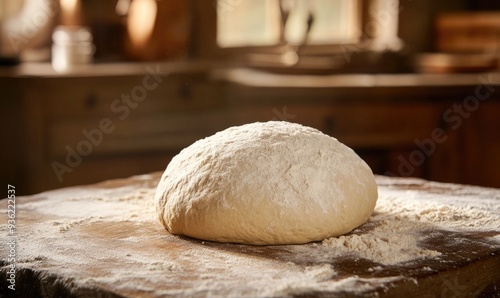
(482,145)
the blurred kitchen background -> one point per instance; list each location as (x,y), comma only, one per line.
(99,89)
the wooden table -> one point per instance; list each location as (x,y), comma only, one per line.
(104,240)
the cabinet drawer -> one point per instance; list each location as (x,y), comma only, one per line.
(90,97)
(154,133)
(380,125)
(358,125)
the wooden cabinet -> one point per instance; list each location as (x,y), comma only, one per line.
(84,129)
(401,125)
(62,130)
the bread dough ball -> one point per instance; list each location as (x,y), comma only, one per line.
(266,183)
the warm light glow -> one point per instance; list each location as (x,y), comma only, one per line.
(141,21)
(70,12)
(69,5)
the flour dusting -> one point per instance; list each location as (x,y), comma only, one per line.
(401,222)
(105,238)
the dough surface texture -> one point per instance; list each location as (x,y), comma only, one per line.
(266,183)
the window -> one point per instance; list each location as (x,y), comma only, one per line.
(243,23)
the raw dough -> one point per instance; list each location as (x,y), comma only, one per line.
(266,183)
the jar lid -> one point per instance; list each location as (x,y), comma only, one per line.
(63,34)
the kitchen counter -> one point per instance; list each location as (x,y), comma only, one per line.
(45,70)
(255,77)
(424,239)
(258,78)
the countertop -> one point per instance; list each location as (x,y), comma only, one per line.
(424,239)
(237,73)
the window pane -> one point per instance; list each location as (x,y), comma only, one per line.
(336,21)
(258,22)
(247,22)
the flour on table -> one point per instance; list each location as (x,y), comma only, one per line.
(394,232)
(125,250)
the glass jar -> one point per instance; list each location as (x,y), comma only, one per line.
(72,46)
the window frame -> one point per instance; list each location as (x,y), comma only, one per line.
(204,42)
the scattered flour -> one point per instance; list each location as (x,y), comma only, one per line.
(399,223)
(109,238)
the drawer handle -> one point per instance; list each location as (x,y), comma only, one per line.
(91,101)
(185,92)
